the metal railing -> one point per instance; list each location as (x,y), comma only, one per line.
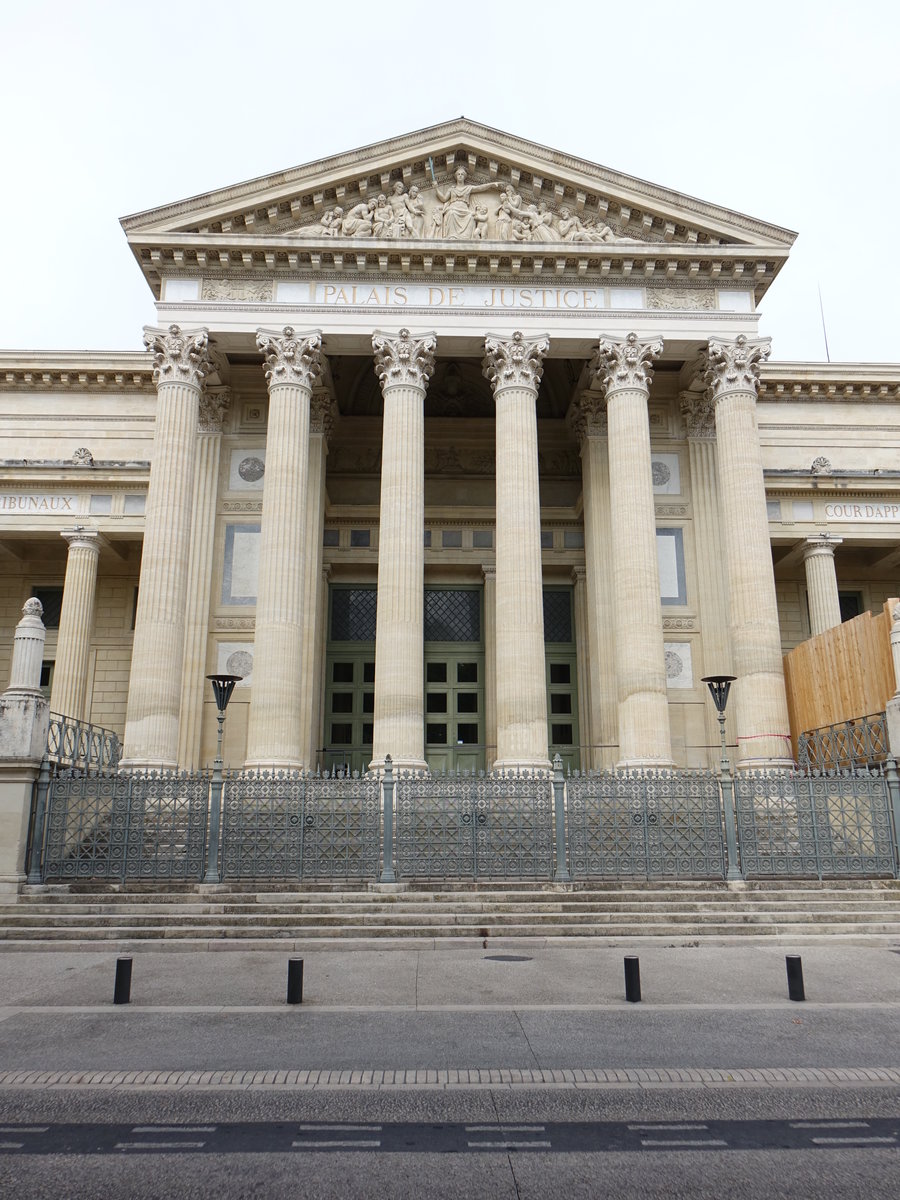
(861,742)
(81,746)
(538,826)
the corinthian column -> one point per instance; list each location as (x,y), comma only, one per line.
(404,365)
(821,583)
(180,363)
(275,737)
(761,716)
(76,622)
(514,367)
(623,368)
(213,404)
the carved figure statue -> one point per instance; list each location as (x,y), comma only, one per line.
(382,218)
(573,229)
(329,226)
(415,213)
(458,223)
(481,221)
(359,220)
(541,222)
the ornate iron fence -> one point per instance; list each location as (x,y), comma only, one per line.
(647,824)
(859,743)
(76,744)
(474,826)
(295,826)
(812,823)
(137,826)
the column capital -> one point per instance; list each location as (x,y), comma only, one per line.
(579,574)
(214,403)
(821,546)
(82,539)
(179,355)
(489,571)
(514,362)
(403,360)
(587,415)
(733,366)
(290,357)
(698,413)
(624,362)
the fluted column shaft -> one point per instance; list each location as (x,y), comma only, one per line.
(514,367)
(821,584)
(490,665)
(76,623)
(275,735)
(582,645)
(760,701)
(644,739)
(404,365)
(206,481)
(154,691)
(313,631)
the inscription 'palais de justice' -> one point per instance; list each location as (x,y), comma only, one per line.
(341,295)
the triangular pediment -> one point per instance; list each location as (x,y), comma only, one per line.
(513,191)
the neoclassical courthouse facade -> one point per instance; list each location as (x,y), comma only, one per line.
(455,448)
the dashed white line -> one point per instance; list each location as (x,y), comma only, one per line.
(855,1141)
(337,1144)
(509,1145)
(24,1128)
(174,1129)
(339,1128)
(691,1142)
(505,1128)
(159,1145)
(829,1125)
(11,1145)
(656,1128)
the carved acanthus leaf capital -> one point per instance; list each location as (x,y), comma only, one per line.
(588,417)
(323,412)
(698,413)
(403,359)
(179,355)
(625,362)
(515,362)
(733,366)
(214,403)
(289,357)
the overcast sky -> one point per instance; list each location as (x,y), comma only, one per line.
(786,110)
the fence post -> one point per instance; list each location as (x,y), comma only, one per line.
(387,845)
(893,782)
(559,812)
(215,826)
(36,854)
(726,783)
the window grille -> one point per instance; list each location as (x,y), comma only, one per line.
(558,616)
(452,616)
(353,614)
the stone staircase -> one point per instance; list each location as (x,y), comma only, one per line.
(255,916)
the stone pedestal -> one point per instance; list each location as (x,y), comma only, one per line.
(514,368)
(622,366)
(760,700)
(76,623)
(821,583)
(404,365)
(180,363)
(275,736)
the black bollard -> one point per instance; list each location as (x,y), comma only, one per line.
(794,965)
(122,990)
(632,978)
(295,981)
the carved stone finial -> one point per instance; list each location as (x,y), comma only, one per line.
(734,366)
(291,357)
(403,359)
(214,403)
(323,412)
(179,355)
(821,466)
(33,607)
(514,362)
(625,362)
(587,416)
(82,457)
(698,413)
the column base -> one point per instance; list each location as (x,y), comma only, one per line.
(645,764)
(537,766)
(146,764)
(765,764)
(267,765)
(417,766)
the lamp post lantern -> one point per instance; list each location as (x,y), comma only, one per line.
(719,687)
(222,686)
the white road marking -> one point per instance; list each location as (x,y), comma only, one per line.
(654,1128)
(11,1145)
(337,1144)
(339,1128)
(174,1129)
(24,1128)
(508,1145)
(505,1128)
(855,1141)
(829,1124)
(682,1142)
(159,1145)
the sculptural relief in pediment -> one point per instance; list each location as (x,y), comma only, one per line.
(459,210)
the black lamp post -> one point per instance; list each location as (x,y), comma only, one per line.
(223,686)
(719,687)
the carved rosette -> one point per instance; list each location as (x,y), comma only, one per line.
(214,403)
(323,413)
(401,359)
(514,362)
(621,363)
(734,366)
(587,416)
(289,357)
(179,355)
(698,413)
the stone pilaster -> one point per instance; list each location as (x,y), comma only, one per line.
(180,364)
(599,718)
(213,404)
(760,701)
(275,737)
(404,364)
(514,367)
(623,368)
(821,583)
(76,623)
(322,417)
(585,750)
(490,664)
